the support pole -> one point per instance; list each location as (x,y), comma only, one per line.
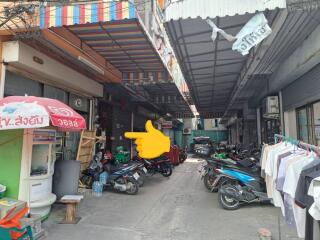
(2,79)
(131,145)
(259,126)
(282,128)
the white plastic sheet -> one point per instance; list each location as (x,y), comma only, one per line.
(255,30)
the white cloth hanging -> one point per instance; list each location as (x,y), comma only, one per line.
(314,191)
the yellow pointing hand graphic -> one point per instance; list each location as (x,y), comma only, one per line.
(150,144)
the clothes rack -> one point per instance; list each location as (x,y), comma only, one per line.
(307,147)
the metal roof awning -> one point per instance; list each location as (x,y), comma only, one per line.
(108,40)
(217,8)
(221,80)
(165,95)
(211,68)
(123,43)
(113,29)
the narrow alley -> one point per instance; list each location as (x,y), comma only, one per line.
(176,208)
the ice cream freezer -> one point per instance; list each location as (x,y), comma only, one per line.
(37,169)
(27,159)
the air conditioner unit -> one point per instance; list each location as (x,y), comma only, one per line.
(187,131)
(271,107)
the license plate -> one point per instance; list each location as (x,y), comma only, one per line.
(136,176)
(145,170)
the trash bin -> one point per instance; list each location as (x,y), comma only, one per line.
(2,190)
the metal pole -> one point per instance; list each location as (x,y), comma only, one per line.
(281,114)
(131,145)
(2,79)
(259,126)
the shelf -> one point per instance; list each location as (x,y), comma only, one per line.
(39,177)
(45,202)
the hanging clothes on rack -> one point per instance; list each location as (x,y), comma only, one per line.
(285,166)
(314,192)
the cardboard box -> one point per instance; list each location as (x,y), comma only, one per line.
(34,221)
(6,204)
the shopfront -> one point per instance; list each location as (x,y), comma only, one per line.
(36,150)
(18,85)
(23,77)
(301,105)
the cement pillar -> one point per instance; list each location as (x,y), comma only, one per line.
(259,126)
(131,144)
(282,128)
(2,79)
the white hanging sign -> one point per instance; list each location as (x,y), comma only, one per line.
(252,34)
(255,30)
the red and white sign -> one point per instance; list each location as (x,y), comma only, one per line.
(166,124)
(34,112)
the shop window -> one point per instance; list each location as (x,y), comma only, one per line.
(40,159)
(308,123)
(316,122)
(302,121)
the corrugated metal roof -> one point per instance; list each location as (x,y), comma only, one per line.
(218,8)
(165,95)
(211,69)
(123,43)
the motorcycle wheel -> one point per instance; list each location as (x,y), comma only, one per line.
(134,188)
(86,180)
(208,182)
(141,178)
(166,170)
(227,202)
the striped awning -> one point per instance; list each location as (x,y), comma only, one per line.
(102,11)
(124,44)
(218,8)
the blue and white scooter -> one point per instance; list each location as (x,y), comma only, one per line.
(240,187)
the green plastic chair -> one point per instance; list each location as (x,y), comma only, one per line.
(5,233)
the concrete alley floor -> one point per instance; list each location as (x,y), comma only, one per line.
(172,208)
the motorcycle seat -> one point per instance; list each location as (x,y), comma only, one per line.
(254,172)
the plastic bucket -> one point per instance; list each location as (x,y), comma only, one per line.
(2,190)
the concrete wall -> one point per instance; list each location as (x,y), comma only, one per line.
(22,56)
(189,123)
(121,123)
(209,124)
(10,160)
(304,90)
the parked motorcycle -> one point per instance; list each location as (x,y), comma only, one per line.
(183,155)
(141,170)
(160,165)
(137,166)
(211,178)
(240,187)
(122,178)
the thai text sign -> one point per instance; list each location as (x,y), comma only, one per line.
(252,34)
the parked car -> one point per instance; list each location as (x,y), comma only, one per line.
(202,146)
